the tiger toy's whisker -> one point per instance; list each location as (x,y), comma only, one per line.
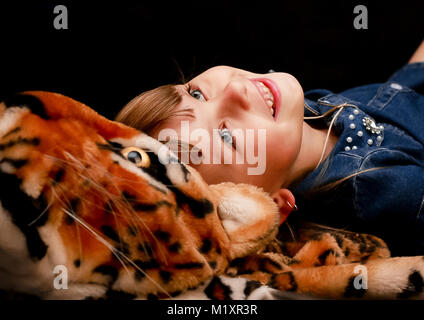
(137,217)
(42,213)
(123,206)
(117,253)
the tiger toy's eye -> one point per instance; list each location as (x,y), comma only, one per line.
(137,156)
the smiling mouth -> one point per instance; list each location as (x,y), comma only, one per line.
(267,96)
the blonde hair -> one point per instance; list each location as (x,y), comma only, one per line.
(147,110)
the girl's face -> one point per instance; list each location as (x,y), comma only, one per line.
(257,119)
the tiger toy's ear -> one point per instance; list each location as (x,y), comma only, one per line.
(249,216)
(53,106)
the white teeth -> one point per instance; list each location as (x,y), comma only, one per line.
(269,98)
(269,103)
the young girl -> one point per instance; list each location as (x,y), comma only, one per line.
(351,160)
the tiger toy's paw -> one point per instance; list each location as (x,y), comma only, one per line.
(316,245)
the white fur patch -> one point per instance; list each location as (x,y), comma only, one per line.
(262,293)
(7,167)
(125,281)
(56,253)
(236,212)
(237,286)
(175,174)
(33,184)
(10,117)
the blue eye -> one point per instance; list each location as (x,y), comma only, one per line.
(226,135)
(197,94)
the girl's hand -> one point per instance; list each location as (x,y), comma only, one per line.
(285,201)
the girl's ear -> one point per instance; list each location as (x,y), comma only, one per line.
(249,216)
(285,202)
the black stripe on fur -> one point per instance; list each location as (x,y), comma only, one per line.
(415,286)
(217,290)
(25,100)
(18,141)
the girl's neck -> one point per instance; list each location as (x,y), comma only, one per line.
(311,150)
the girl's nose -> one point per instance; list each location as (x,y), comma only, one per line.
(235,95)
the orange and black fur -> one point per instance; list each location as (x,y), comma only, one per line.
(118,211)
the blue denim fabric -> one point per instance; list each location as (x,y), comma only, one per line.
(388,199)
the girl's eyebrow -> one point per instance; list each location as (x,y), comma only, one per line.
(187,112)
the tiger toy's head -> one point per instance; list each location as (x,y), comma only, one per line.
(112,207)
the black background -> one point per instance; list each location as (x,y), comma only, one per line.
(113,51)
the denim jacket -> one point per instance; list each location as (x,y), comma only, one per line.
(381,135)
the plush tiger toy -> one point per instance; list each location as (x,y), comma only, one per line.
(120,216)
